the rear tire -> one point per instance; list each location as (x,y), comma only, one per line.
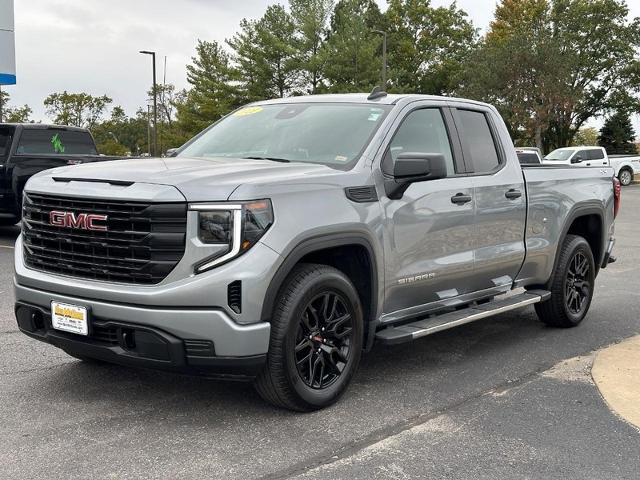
(316,340)
(571,285)
(626,177)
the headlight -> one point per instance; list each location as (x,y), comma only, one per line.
(233,227)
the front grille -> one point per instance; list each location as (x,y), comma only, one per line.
(142,244)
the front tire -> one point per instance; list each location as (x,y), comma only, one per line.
(626,177)
(571,285)
(316,340)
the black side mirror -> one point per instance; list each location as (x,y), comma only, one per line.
(414,167)
(577,159)
(171,152)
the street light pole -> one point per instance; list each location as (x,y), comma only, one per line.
(384,57)
(155,103)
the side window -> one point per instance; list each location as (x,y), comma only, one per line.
(423,131)
(583,154)
(596,154)
(475,131)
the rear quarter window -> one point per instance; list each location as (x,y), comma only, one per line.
(476,133)
(55,142)
(596,154)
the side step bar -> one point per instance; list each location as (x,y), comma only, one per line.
(428,326)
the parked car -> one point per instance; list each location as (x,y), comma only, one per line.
(528,157)
(289,237)
(625,166)
(26,149)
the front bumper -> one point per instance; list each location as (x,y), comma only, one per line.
(195,341)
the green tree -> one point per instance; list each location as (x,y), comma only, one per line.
(551,65)
(427,46)
(310,18)
(586,136)
(214,89)
(76,109)
(4,101)
(266,56)
(15,114)
(617,135)
(353,48)
(18,114)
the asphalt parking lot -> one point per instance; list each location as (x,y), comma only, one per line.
(507,397)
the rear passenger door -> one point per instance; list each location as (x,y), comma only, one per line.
(499,196)
(596,158)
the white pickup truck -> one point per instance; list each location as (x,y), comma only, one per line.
(625,166)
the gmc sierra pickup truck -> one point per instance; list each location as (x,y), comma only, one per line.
(29,148)
(292,235)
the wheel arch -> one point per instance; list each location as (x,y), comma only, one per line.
(328,249)
(587,221)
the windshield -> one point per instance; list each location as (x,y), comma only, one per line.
(559,155)
(331,134)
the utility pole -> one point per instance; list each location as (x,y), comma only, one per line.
(149,128)
(384,57)
(155,102)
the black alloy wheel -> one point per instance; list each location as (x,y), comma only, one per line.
(571,285)
(578,286)
(317,335)
(323,340)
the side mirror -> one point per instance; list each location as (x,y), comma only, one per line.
(414,167)
(577,159)
(171,152)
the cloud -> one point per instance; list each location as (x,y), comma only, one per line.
(93,45)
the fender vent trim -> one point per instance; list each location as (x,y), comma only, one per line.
(363,194)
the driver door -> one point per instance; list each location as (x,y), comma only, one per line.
(429,231)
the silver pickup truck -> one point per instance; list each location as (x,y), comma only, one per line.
(291,236)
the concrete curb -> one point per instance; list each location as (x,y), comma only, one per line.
(616,373)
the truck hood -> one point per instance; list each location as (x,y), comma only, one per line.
(211,179)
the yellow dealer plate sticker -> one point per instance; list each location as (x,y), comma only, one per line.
(69,318)
(243,112)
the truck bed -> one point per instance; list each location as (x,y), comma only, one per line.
(555,194)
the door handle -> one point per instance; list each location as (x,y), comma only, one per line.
(460,199)
(513,194)
(588,164)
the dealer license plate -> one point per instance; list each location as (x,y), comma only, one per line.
(69,318)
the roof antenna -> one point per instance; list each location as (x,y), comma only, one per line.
(376,93)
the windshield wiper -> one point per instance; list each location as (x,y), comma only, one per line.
(273,159)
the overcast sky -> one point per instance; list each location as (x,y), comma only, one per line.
(92,45)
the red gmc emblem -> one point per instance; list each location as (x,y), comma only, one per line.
(82,221)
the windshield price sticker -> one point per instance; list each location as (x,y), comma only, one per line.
(243,112)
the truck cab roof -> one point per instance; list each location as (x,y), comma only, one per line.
(387,99)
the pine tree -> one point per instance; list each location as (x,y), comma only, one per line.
(355,64)
(310,18)
(617,135)
(214,91)
(265,54)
